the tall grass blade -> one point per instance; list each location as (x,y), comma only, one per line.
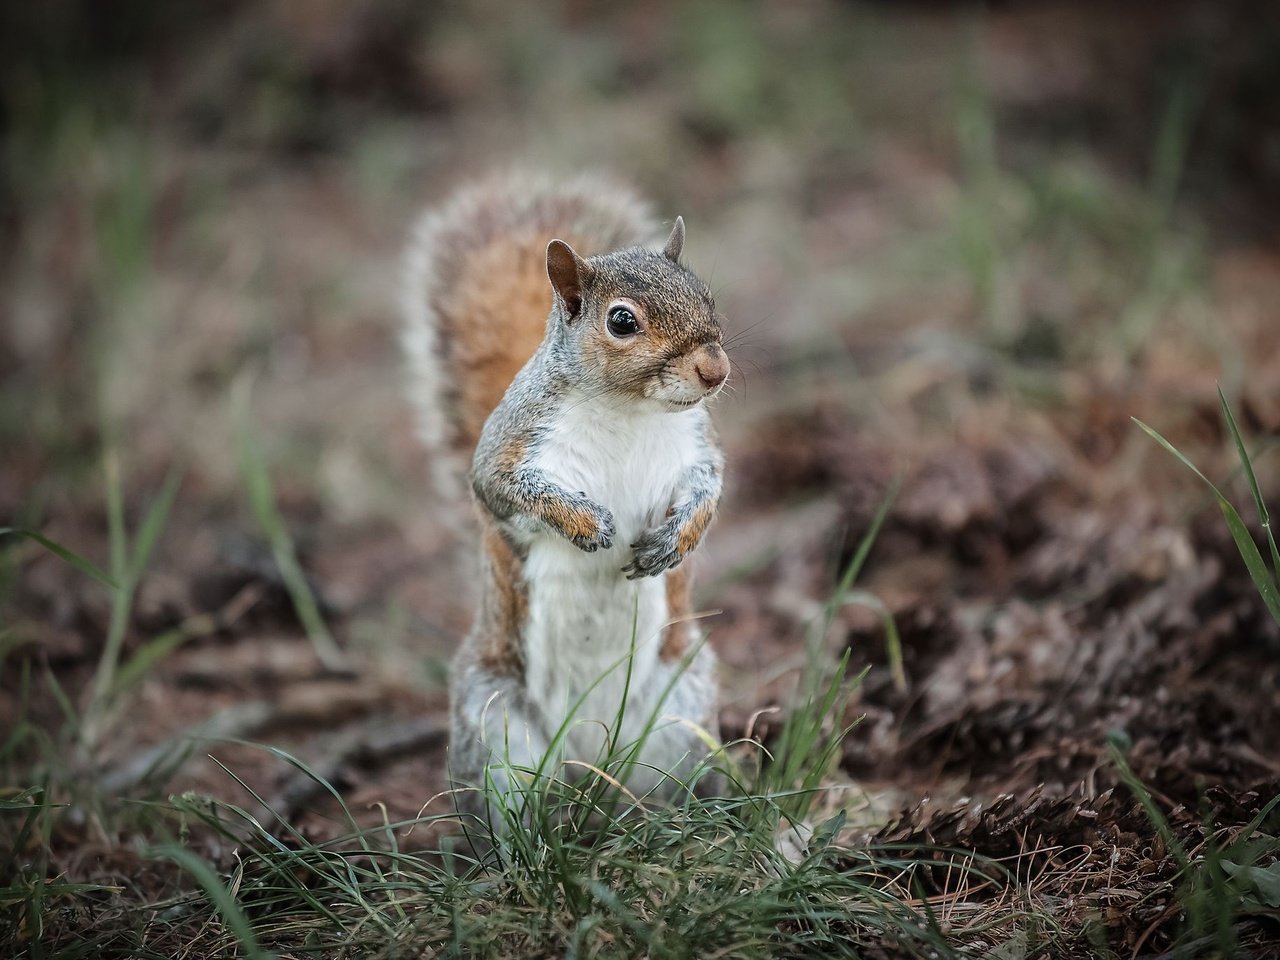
(262,500)
(1149,806)
(117,535)
(147,656)
(892,641)
(804,752)
(222,898)
(61,699)
(134,565)
(864,545)
(1169,155)
(1246,463)
(153,523)
(1258,572)
(58,550)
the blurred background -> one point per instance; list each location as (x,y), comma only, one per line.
(957,245)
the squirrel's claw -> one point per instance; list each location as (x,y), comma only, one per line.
(655,553)
(635,570)
(603,539)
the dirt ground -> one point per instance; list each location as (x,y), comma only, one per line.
(959,250)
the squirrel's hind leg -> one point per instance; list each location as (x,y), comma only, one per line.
(495,745)
(694,696)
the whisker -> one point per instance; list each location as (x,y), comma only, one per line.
(737,335)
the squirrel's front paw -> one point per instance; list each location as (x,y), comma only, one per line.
(584,523)
(656,551)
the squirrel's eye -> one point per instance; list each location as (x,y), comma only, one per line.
(622,322)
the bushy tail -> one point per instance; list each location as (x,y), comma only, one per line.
(476,295)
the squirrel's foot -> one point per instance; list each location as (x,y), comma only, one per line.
(587,525)
(656,551)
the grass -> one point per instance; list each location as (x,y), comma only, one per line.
(704,879)
(1224,878)
(128,563)
(262,500)
(757,873)
(1265,578)
(579,875)
(699,882)
(1228,877)
(1133,267)
(129,558)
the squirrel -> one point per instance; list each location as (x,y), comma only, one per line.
(555,341)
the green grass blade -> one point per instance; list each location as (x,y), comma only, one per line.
(892,641)
(868,540)
(147,656)
(134,565)
(220,896)
(153,523)
(262,500)
(1170,448)
(118,536)
(61,699)
(58,550)
(1149,806)
(34,802)
(1262,578)
(1247,464)
(324,784)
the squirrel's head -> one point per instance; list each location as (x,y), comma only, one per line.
(636,324)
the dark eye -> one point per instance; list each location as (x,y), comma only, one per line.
(622,322)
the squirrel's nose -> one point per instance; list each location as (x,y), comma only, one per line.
(712,366)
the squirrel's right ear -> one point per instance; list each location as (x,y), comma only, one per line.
(569,274)
(675,242)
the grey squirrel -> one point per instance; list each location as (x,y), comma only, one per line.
(558,344)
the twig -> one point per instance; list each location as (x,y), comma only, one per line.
(362,748)
(235,722)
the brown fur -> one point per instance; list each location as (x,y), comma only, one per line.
(572,522)
(494,325)
(506,605)
(693,529)
(497,283)
(511,453)
(679,606)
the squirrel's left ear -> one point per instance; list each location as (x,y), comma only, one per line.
(568,273)
(675,242)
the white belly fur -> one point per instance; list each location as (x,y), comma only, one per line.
(585,617)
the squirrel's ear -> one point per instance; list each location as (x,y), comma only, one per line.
(675,242)
(568,273)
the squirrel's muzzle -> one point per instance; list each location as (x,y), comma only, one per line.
(712,366)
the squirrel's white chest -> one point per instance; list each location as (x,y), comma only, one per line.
(584,615)
(629,463)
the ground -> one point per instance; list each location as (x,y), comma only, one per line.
(958,253)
